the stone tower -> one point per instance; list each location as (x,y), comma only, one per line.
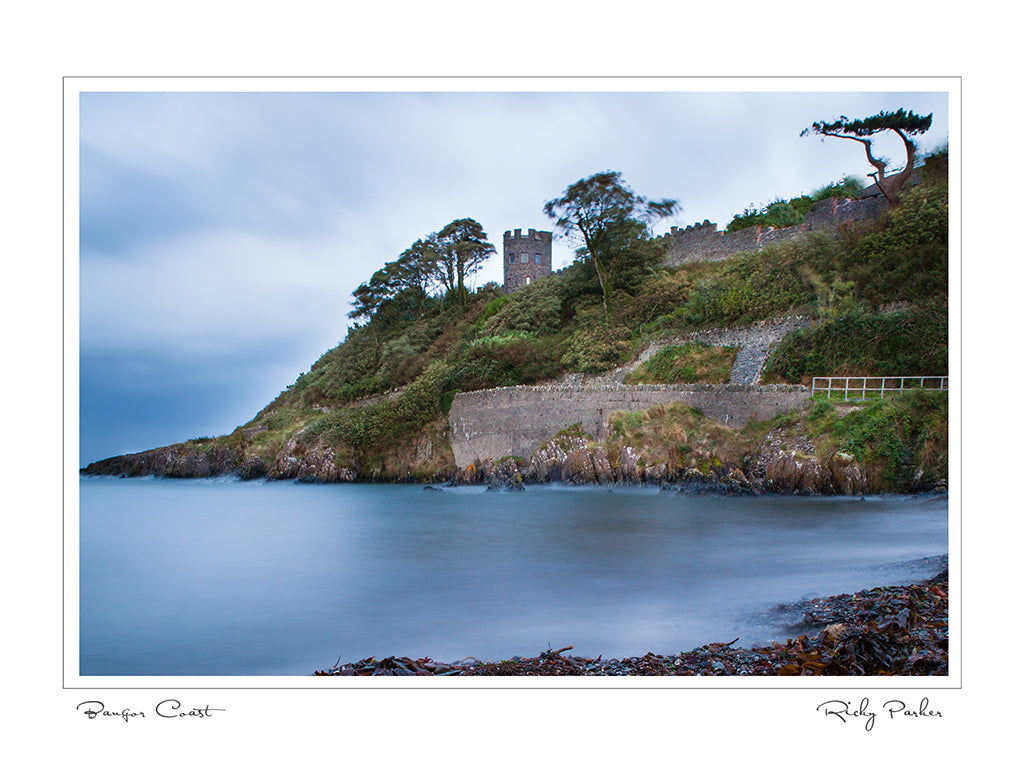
(526,258)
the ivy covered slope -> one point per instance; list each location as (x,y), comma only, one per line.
(375,407)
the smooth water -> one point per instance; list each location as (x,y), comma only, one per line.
(221,577)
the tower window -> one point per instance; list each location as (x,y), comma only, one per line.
(536,258)
(524,259)
(512,259)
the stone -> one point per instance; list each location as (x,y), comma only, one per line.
(252,468)
(578,467)
(629,471)
(602,467)
(656,474)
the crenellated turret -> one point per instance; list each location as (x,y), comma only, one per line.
(526,258)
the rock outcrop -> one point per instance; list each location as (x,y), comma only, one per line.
(180,460)
(789,465)
(307,458)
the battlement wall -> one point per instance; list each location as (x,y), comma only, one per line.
(703,242)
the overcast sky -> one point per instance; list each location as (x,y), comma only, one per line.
(222,234)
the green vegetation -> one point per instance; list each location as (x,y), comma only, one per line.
(442,259)
(598,346)
(686,364)
(900,442)
(538,309)
(565,438)
(789,213)
(368,431)
(900,344)
(678,436)
(611,223)
(424,336)
(903,438)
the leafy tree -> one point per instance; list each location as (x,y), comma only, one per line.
(443,258)
(610,220)
(462,248)
(903,124)
(416,268)
(371,294)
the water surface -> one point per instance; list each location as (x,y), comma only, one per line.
(221,577)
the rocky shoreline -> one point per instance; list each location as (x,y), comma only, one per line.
(775,468)
(782,464)
(897,630)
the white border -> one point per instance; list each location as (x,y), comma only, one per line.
(74,86)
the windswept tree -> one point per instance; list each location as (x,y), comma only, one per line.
(903,124)
(411,273)
(370,295)
(462,249)
(444,259)
(416,268)
(609,219)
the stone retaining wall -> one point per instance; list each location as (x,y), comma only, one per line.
(516,421)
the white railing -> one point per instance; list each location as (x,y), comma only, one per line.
(868,387)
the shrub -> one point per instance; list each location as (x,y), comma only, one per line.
(751,287)
(378,427)
(788,213)
(909,343)
(905,255)
(660,295)
(505,361)
(536,309)
(849,188)
(597,347)
(501,339)
(901,435)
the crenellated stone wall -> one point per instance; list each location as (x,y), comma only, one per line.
(703,242)
(516,421)
(526,258)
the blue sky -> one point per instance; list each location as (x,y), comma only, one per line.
(222,233)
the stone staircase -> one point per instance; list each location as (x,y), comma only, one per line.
(755,343)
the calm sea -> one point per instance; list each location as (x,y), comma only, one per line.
(221,577)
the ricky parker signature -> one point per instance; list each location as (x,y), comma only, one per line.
(169,709)
(863,712)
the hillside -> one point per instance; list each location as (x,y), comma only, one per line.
(872,299)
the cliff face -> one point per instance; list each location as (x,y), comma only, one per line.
(671,446)
(303,457)
(771,469)
(179,460)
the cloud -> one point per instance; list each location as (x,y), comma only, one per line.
(213,293)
